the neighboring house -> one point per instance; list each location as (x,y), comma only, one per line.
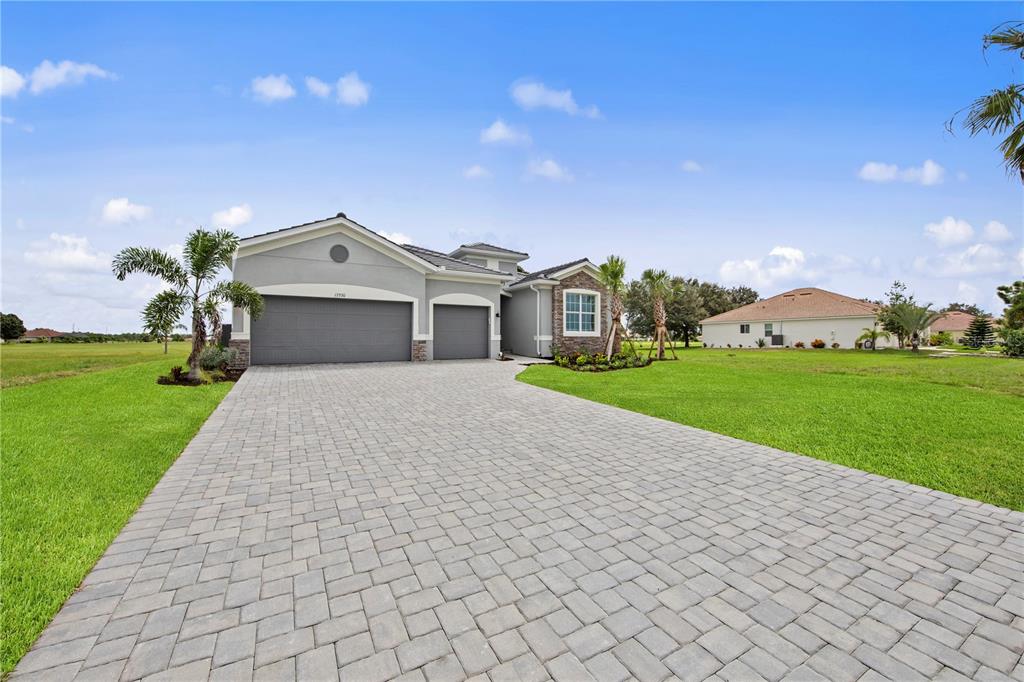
(954,322)
(41,334)
(336,291)
(799,315)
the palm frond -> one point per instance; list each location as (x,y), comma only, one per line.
(207,252)
(238,294)
(656,281)
(151,262)
(1008,36)
(162,313)
(613,274)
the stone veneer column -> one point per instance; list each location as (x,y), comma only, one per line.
(590,344)
(241,348)
(419,350)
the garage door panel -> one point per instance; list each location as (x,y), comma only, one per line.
(296,330)
(461,332)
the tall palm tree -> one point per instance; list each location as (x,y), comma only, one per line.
(1001,111)
(914,320)
(159,317)
(613,279)
(191,281)
(872,334)
(658,285)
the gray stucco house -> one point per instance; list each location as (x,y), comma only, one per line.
(336,291)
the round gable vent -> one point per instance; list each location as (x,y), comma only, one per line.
(339,254)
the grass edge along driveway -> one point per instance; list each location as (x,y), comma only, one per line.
(79,456)
(953,428)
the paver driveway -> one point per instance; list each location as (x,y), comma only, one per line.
(443,520)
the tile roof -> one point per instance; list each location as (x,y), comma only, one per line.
(953,321)
(42,333)
(448,262)
(545,273)
(807,302)
(492,247)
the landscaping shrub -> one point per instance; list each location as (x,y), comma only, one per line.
(215,357)
(760,343)
(598,362)
(798,344)
(835,345)
(1014,343)
(817,343)
(940,339)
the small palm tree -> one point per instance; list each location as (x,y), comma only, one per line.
(192,285)
(613,279)
(159,317)
(658,285)
(913,320)
(872,334)
(1000,111)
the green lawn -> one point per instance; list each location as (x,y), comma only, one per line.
(953,424)
(79,455)
(28,363)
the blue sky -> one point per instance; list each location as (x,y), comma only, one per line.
(775,145)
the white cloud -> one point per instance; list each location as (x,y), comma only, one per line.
(66,252)
(691,166)
(949,231)
(500,132)
(352,91)
(996,231)
(548,169)
(236,216)
(781,264)
(272,88)
(1020,260)
(977,259)
(11,82)
(48,75)
(476,172)
(317,87)
(121,211)
(928,173)
(531,95)
(397,237)
(966,292)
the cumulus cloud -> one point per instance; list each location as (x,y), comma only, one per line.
(317,87)
(352,91)
(236,216)
(272,88)
(928,173)
(67,252)
(476,172)
(121,211)
(11,82)
(48,75)
(549,170)
(500,132)
(976,259)
(691,166)
(949,231)
(996,231)
(781,264)
(531,94)
(966,292)
(397,237)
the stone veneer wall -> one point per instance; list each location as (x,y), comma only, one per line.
(241,348)
(590,344)
(419,350)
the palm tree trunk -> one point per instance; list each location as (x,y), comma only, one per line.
(198,339)
(166,338)
(616,309)
(659,326)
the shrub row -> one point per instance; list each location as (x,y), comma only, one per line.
(598,362)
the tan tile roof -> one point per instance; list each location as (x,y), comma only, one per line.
(808,302)
(953,321)
(42,333)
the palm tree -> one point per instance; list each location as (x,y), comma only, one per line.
(613,279)
(159,317)
(658,285)
(913,320)
(192,287)
(872,334)
(1000,111)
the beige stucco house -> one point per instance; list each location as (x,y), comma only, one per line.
(799,315)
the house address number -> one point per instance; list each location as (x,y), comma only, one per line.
(339,294)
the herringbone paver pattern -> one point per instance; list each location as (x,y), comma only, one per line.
(442,521)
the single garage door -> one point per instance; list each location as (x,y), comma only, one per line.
(294,330)
(461,331)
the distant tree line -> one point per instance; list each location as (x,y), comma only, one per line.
(688,301)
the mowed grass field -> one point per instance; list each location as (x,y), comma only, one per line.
(79,454)
(953,424)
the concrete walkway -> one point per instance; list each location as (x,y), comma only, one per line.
(441,521)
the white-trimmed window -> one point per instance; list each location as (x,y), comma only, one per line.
(744,329)
(581,312)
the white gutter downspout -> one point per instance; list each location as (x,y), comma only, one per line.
(537,335)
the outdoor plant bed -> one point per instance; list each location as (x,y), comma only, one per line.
(179,377)
(599,362)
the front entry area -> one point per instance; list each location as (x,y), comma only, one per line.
(299,330)
(461,332)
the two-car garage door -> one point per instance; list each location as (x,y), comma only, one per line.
(294,330)
(298,330)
